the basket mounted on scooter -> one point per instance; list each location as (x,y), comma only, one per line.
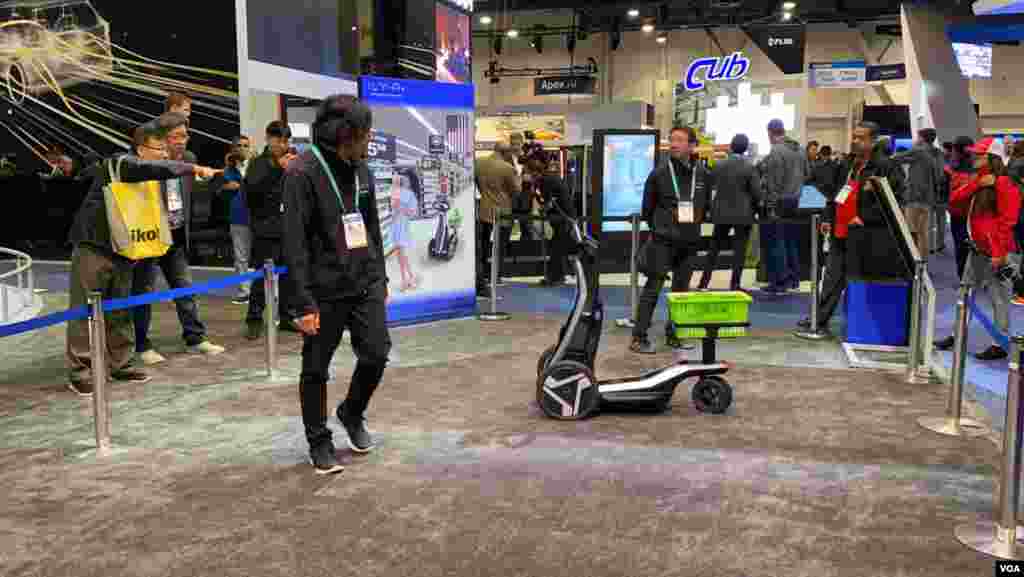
(715,315)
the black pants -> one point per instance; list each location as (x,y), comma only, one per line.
(558,251)
(483,265)
(721,240)
(263,249)
(958,228)
(365,317)
(660,259)
(834,284)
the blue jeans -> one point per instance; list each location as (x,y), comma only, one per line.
(781,246)
(176,271)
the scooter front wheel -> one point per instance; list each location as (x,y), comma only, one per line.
(712,395)
(542,363)
(568,391)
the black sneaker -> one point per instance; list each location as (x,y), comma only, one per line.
(253,331)
(324,459)
(642,345)
(359,439)
(993,353)
(945,344)
(130,375)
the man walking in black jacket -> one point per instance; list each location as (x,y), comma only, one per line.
(264,196)
(337,279)
(737,199)
(675,199)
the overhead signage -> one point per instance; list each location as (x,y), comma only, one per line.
(379,91)
(849,74)
(782,44)
(884,72)
(732,67)
(551,85)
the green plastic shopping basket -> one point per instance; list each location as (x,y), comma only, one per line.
(694,313)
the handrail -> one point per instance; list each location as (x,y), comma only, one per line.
(25,284)
(21,257)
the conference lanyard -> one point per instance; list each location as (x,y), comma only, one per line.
(675,183)
(334,185)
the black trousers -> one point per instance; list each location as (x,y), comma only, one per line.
(263,249)
(558,251)
(958,228)
(834,283)
(661,258)
(365,317)
(738,243)
(484,241)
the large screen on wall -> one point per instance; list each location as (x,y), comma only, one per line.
(975,59)
(421,156)
(627,161)
(452,45)
(300,35)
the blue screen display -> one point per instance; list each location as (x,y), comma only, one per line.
(628,160)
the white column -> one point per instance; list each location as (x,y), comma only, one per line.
(242,41)
(939,94)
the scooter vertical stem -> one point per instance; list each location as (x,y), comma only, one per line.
(914,352)
(634,275)
(815,247)
(269,316)
(98,344)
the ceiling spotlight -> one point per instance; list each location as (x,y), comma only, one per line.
(788,5)
(662,39)
(485,20)
(787,16)
(512,33)
(647,28)
(355,29)
(633,13)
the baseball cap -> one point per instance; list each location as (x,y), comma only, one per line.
(776,125)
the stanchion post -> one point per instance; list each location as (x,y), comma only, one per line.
(270,316)
(98,354)
(634,275)
(494,315)
(813,332)
(952,424)
(914,349)
(999,538)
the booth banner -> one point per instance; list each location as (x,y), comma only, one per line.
(782,44)
(849,74)
(499,128)
(425,194)
(886,72)
(561,85)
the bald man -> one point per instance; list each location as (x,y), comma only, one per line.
(499,184)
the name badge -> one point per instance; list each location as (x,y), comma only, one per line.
(355,230)
(174,203)
(684,212)
(843,194)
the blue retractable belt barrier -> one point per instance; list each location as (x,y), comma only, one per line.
(990,327)
(79,313)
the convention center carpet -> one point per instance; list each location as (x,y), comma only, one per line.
(816,471)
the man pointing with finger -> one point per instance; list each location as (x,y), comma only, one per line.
(333,248)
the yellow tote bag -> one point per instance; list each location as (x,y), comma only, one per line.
(138,219)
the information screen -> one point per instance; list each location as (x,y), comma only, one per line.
(628,160)
(975,59)
(453,53)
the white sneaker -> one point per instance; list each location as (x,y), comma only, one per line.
(151,357)
(206,348)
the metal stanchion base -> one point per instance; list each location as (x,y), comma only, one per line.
(984,537)
(493,316)
(625,323)
(952,428)
(812,336)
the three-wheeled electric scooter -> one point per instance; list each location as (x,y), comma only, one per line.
(566,386)
(445,241)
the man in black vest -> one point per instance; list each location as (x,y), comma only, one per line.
(675,199)
(337,279)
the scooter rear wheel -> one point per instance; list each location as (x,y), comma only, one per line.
(567,391)
(712,395)
(542,363)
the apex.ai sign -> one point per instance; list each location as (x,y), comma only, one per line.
(732,67)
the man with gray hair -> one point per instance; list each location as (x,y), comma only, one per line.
(499,184)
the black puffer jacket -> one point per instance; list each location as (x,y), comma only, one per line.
(660,203)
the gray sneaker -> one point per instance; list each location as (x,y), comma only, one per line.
(325,459)
(359,439)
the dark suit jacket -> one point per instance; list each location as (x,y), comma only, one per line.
(737,191)
(659,207)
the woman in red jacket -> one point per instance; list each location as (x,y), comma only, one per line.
(992,202)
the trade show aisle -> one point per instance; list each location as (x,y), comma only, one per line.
(815,471)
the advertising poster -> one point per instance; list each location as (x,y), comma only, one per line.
(499,128)
(421,156)
(453,53)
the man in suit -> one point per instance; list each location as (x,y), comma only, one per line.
(737,197)
(499,184)
(676,197)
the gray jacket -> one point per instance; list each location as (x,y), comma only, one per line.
(737,191)
(925,173)
(785,170)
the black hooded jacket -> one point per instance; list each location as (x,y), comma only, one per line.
(312,214)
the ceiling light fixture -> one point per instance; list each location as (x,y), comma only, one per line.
(662,39)
(647,28)
(788,5)
(633,13)
(787,16)
(512,33)
(485,20)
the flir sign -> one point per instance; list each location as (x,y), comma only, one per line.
(732,67)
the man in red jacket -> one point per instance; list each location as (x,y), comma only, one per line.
(991,203)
